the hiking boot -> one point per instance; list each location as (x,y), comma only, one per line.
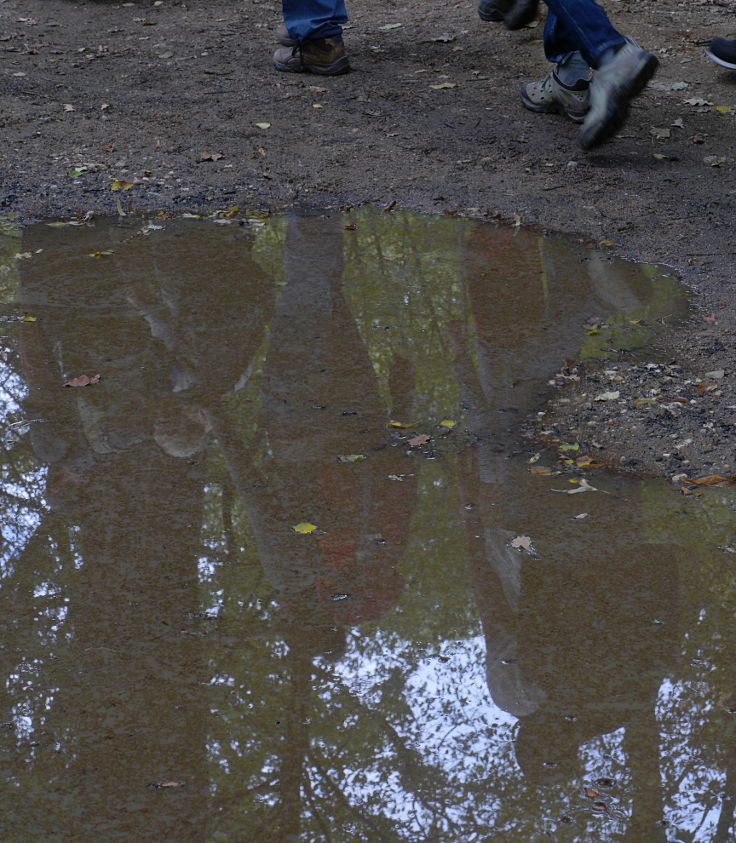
(521,13)
(613,87)
(283,37)
(549,96)
(722,51)
(493,10)
(325,56)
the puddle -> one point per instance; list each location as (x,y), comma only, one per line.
(452,646)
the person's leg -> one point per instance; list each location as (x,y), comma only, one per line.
(310,19)
(623,68)
(312,37)
(565,88)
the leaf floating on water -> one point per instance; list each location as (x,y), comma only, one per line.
(83,380)
(304,528)
(350,457)
(421,439)
(709,480)
(583,487)
(542,471)
(523,543)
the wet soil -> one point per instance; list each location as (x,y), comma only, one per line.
(139,91)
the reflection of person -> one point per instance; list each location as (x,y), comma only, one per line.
(124,701)
(572,647)
(320,402)
(312,38)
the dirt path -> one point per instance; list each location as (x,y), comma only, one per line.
(138,91)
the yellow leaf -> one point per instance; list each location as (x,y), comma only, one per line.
(575,447)
(27,318)
(723,109)
(401,425)
(448,423)
(304,527)
(350,457)
(121,184)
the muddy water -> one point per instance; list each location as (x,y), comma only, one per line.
(460,641)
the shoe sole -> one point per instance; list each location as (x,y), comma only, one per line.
(723,63)
(618,109)
(552,108)
(337,68)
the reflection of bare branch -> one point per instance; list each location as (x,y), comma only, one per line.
(366,819)
(309,793)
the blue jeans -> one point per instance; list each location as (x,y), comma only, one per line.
(314,18)
(578,25)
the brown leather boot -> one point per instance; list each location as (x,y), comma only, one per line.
(325,56)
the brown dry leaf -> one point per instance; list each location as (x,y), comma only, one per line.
(542,471)
(206,155)
(421,439)
(83,380)
(710,480)
(590,793)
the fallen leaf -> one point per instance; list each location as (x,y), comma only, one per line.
(76,171)
(575,447)
(724,109)
(401,425)
(263,125)
(388,26)
(583,487)
(68,107)
(709,480)
(448,423)
(421,439)
(591,794)
(522,543)
(608,396)
(83,380)
(351,227)
(304,527)
(442,85)
(100,254)
(581,516)
(206,155)
(350,457)
(166,785)
(28,318)
(542,471)
(121,184)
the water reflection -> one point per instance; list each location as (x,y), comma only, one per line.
(181,664)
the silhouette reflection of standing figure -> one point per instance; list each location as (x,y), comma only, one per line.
(126,475)
(320,401)
(580,633)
